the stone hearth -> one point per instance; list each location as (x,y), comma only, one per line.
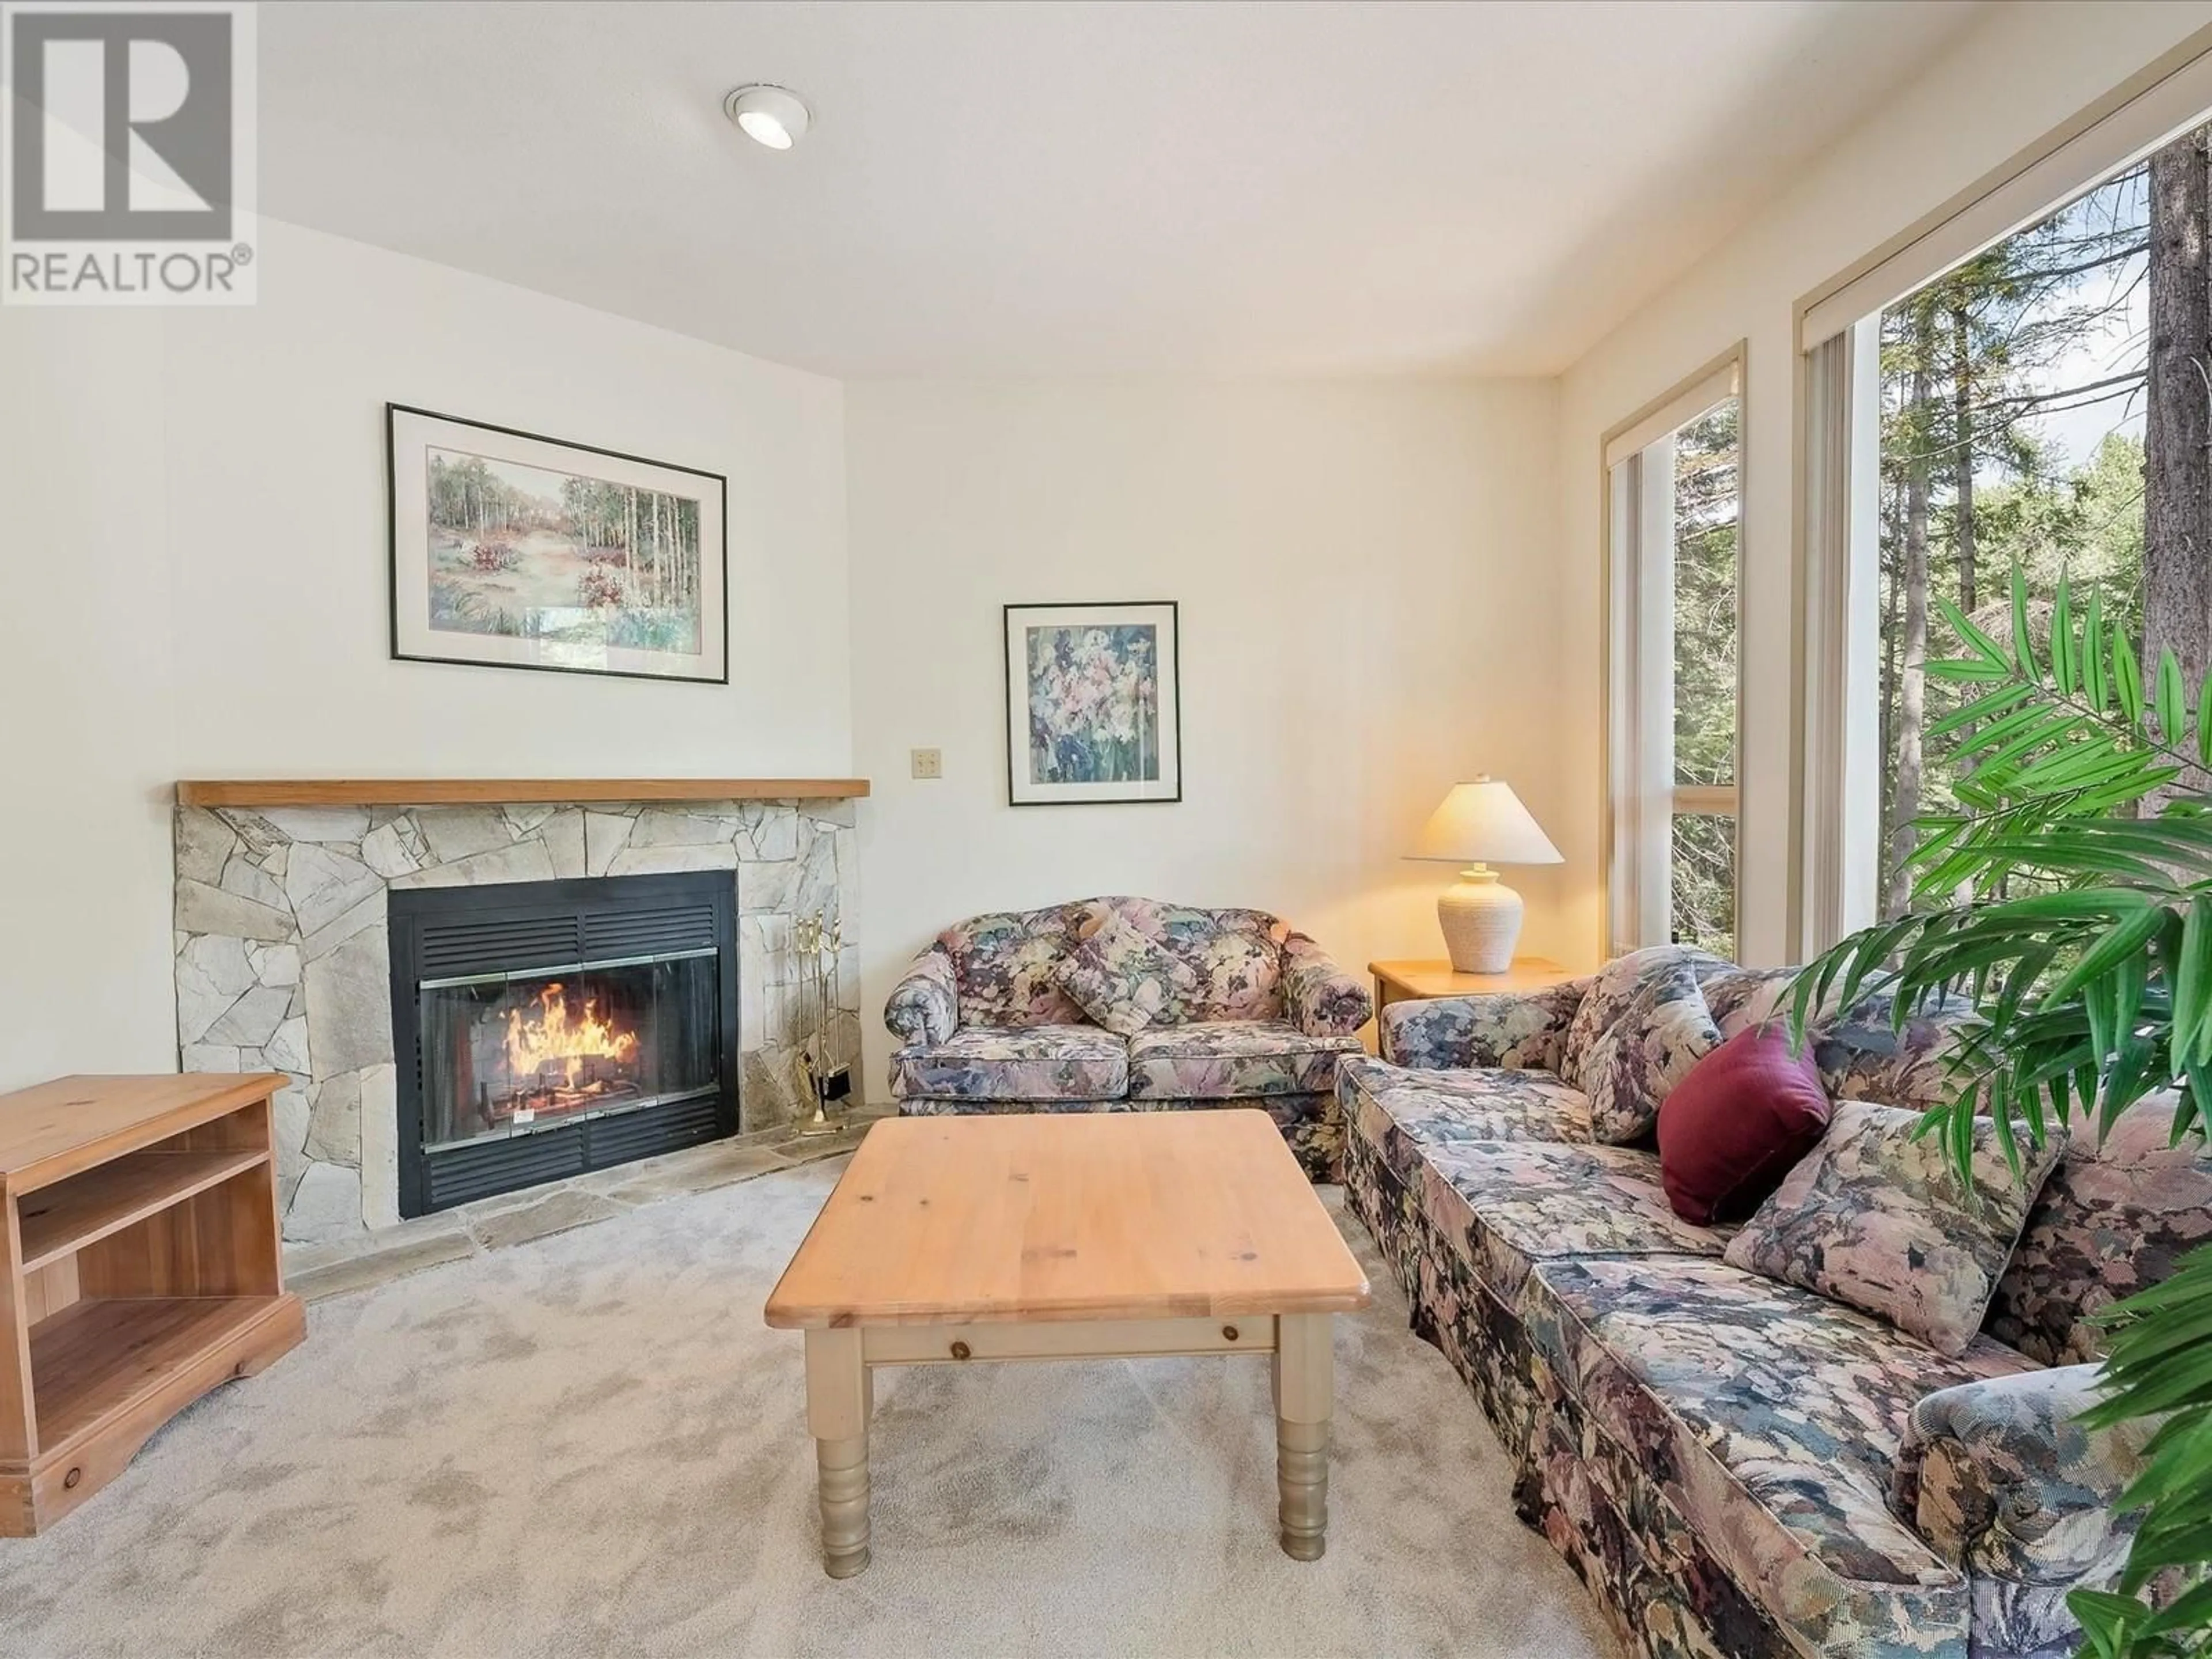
(282,955)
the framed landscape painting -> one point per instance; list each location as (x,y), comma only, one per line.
(522,551)
(1093,704)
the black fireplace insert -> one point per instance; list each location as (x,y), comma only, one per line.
(545,1029)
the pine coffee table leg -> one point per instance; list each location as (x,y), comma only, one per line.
(838,1404)
(1304,1379)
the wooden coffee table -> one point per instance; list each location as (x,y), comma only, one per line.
(1068,1236)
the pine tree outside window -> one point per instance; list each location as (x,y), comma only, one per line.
(2015,404)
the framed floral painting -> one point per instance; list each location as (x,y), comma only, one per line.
(523,552)
(1093,704)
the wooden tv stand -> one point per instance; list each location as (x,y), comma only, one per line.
(138,1269)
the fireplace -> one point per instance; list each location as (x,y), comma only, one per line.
(547,1029)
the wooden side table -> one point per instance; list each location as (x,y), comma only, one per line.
(1412,981)
(138,1270)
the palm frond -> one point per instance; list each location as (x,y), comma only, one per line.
(2092,990)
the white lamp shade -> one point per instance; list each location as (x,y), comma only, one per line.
(1484,823)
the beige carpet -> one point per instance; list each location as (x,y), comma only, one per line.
(589,1444)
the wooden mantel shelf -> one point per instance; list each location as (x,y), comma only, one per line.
(453,791)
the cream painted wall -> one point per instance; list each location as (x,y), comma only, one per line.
(88,697)
(2025,71)
(199,497)
(1367,591)
(277,520)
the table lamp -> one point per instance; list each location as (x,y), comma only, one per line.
(1480,824)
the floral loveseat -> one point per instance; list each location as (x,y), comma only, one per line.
(1261,1018)
(1733,1465)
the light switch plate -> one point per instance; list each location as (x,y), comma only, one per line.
(929,762)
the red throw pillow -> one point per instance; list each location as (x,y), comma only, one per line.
(1736,1123)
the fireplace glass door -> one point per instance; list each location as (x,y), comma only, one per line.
(513,1054)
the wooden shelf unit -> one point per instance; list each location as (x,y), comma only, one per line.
(61,1219)
(94,1358)
(138,1270)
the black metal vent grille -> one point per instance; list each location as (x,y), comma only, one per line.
(647,932)
(462,1173)
(494,945)
(656,1129)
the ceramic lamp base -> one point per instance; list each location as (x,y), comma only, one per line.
(1480,916)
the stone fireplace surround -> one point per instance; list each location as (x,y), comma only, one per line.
(282,953)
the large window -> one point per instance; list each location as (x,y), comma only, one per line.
(2009,384)
(1675,492)
(2021,428)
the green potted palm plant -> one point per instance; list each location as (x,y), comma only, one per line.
(2070,897)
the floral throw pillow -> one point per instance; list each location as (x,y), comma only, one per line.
(1876,1217)
(1612,990)
(1126,981)
(1633,1064)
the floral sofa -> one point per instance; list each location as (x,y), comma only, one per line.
(1733,1464)
(986,1022)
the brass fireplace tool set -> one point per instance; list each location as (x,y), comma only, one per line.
(825,1066)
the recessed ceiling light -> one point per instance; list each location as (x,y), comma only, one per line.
(769,115)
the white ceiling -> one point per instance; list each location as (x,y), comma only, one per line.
(997,189)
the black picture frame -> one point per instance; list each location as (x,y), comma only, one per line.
(718,615)
(1021,791)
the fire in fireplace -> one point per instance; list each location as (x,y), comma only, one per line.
(564,1063)
(558,1027)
